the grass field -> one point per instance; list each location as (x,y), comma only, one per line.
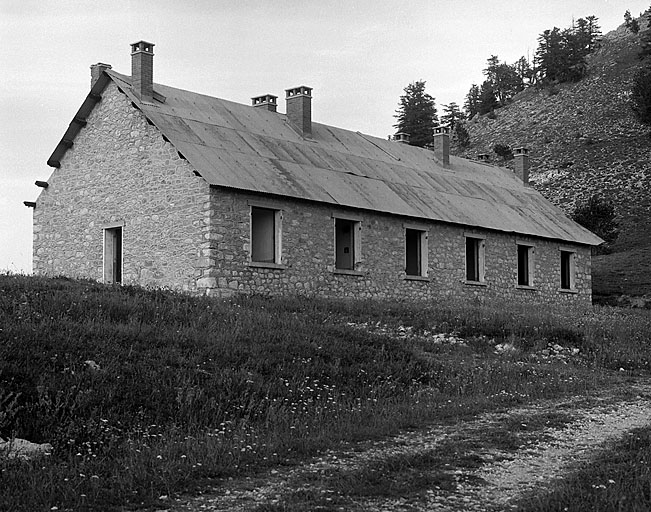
(146,394)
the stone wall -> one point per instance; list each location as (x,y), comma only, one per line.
(121,171)
(308,262)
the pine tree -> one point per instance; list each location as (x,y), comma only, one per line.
(471,105)
(524,71)
(631,23)
(550,54)
(504,78)
(487,100)
(417,115)
(561,54)
(594,31)
(451,115)
(460,135)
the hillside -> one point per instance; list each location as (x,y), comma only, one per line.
(583,138)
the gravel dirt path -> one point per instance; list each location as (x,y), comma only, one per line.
(504,475)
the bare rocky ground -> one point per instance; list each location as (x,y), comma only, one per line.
(485,463)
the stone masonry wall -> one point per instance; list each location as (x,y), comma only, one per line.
(120,170)
(308,260)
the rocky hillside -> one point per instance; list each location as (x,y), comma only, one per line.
(583,138)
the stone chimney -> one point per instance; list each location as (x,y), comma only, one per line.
(96,71)
(142,70)
(442,144)
(401,137)
(521,157)
(267,102)
(299,109)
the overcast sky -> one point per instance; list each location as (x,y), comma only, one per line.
(358,55)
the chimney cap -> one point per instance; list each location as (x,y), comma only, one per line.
(483,157)
(401,137)
(301,90)
(265,98)
(441,130)
(520,151)
(142,46)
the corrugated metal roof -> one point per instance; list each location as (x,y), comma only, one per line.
(241,147)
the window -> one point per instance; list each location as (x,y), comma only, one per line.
(347,243)
(567,270)
(415,252)
(265,235)
(475,259)
(525,265)
(113,255)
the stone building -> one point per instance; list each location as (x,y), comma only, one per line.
(163,187)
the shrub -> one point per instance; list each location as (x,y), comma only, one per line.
(598,215)
(504,151)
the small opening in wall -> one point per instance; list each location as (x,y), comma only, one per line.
(567,270)
(525,267)
(113,255)
(346,252)
(475,259)
(415,252)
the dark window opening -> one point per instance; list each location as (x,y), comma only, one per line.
(524,277)
(566,270)
(345,244)
(472,259)
(263,235)
(413,254)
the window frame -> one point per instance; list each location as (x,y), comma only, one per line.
(528,250)
(479,259)
(422,244)
(112,250)
(277,235)
(571,269)
(356,232)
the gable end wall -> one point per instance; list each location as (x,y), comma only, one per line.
(120,170)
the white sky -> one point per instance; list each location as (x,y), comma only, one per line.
(358,55)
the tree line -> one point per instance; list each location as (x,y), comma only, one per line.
(560,57)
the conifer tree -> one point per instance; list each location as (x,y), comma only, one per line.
(487,100)
(631,23)
(451,115)
(471,105)
(460,135)
(504,79)
(417,115)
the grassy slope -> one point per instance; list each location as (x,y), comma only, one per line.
(584,139)
(185,389)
